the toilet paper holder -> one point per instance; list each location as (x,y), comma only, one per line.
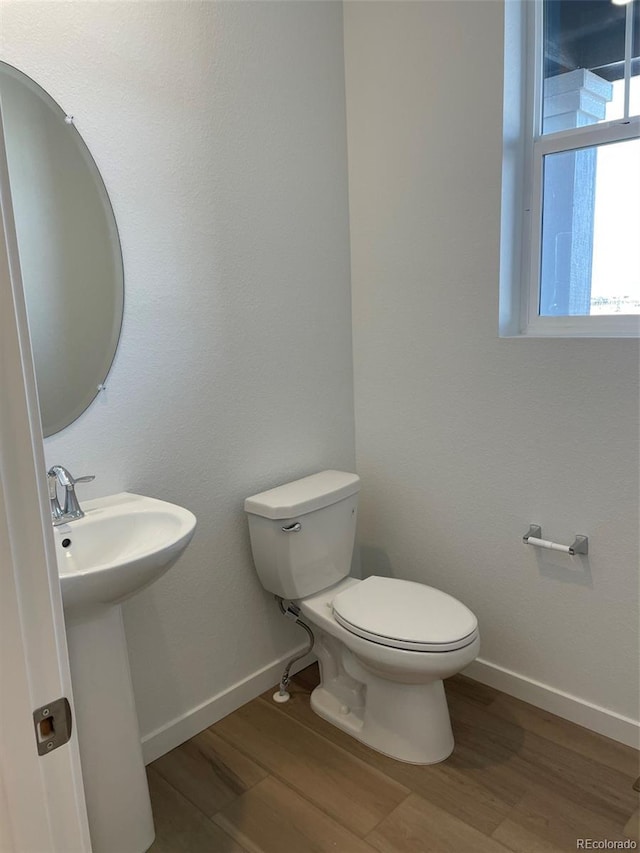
(534,537)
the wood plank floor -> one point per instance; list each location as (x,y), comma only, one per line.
(278,779)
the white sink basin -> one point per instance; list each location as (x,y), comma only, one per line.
(124,543)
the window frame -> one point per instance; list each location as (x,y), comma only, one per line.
(520,310)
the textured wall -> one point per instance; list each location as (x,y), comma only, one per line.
(462,438)
(219,130)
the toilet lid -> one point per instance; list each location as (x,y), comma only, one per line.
(405,615)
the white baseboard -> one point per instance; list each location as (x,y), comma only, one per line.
(605,722)
(192,722)
(601,720)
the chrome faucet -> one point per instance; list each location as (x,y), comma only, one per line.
(71,510)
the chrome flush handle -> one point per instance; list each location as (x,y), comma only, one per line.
(292,528)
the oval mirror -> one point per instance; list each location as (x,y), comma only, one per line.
(69,250)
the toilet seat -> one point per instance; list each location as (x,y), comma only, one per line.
(405,615)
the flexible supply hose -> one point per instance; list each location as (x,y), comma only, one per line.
(291,612)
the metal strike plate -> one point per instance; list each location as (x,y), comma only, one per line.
(53,725)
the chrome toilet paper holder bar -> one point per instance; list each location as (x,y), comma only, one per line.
(534,537)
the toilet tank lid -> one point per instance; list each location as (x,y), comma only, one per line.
(303,496)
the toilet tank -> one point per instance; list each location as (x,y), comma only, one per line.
(302,533)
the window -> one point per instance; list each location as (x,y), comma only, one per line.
(571,176)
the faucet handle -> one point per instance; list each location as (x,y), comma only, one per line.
(66,478)
(71,506)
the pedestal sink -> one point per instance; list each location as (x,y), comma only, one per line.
(124,543)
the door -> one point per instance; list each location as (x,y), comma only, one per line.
(42,808)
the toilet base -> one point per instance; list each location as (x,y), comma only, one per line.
(408,722)
(391,699)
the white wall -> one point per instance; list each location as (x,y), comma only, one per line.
(219,130)
(462,438)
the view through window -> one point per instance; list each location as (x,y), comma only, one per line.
(589,251)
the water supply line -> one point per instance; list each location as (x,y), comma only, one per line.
(291,611)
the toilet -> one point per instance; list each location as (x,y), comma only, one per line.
(384,645)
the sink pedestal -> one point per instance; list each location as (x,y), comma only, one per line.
(115,782)
(121,545)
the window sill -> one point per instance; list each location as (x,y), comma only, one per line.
(580,327)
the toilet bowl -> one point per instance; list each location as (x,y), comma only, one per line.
(384,645)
